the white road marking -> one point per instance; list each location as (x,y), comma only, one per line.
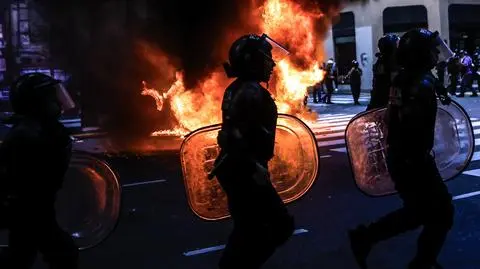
(343,150)
(143,183)
(466,195)
(220,247)
(325,156)
(474,172)
(331,143)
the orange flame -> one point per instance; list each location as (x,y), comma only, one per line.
(284,21)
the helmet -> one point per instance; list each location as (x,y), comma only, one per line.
(421,49)
(388,44)
(355,63)
(37,94)
(250,57)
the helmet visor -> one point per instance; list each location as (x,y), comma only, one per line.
(279,52)
(445,52)
(64,97)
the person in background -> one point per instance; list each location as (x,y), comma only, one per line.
(467,74)
(329,80)
(453,69)
(384,70)
(355,77)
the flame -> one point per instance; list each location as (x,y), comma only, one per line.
(284,21)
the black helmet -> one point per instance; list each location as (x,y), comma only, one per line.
(32,93)
(388,44)
(421,49)
(354,63)
(250,57)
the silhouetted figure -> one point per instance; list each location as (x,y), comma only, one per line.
(34,158)
(247,139)
(467,74)
(355,76)
(328,81)
(411,115)
(383,71)
(453,69)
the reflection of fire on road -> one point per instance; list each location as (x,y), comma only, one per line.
(284,21)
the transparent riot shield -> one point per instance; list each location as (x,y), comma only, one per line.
(88,205)
(365,137)
(293,169)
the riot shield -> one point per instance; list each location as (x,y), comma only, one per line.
(88,205)
(293,169)
(365,137)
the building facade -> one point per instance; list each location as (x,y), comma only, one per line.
(355,35)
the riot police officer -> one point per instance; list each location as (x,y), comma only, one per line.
(329,80)
(453,69)
(355,76)
(383,71)
(467,74)
(247,139)
(411,114)
(34,158)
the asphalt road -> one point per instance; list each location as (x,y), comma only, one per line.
(157,230)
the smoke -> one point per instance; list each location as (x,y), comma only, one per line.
(97,42)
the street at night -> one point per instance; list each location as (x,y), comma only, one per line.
(158,230)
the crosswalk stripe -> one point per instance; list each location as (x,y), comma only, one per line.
(343,150)
(345,121)
(343,116)
(331,143)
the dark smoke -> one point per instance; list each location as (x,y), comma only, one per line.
(95,41)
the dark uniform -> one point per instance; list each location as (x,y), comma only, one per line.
(412,113)
(355,75)
(329,80)
(247,141)
(383,72)
(441,66)
(34,157)
(453,69)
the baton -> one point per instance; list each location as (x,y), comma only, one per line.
(212,173)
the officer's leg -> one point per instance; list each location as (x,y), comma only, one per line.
(363,238)
(470,84)
(315,95)
(453,84)
(58,248)
(22,251)
(437,217)
(357,93)
(261,224)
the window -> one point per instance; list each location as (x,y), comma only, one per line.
(464,26)
(398,20)
(344,42)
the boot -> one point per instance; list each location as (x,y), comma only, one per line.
(360,245)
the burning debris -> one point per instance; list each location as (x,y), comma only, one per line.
(285,20)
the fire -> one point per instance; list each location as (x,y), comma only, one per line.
(283,20)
